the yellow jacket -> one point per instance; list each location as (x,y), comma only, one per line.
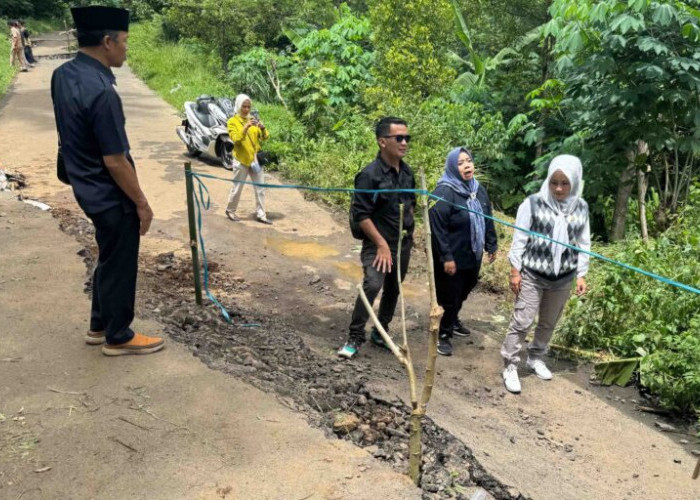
(245,145)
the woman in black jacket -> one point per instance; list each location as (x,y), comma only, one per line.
(460,236)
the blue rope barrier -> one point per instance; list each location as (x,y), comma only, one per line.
(205,201)
(623,265)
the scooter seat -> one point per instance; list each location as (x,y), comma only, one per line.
(205,118)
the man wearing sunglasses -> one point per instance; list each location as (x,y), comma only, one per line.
(377,215)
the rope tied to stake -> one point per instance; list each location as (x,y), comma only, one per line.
(205,201)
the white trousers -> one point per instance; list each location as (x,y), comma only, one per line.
(241,173)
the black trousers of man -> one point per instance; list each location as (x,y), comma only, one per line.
(452,291)
(373,282)
(114,280)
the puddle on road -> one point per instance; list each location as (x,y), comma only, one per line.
(309,250)
(351,270)
(313,251)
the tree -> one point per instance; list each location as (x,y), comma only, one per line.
(411,41)
(625,66)
(329,70)
(233,26)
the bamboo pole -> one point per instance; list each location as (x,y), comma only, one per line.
(436,311)
(193,234)
(404,354)
(405,347)
(387,339)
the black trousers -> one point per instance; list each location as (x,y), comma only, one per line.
(29,55)
(114,280)
(373,282)
(452,291)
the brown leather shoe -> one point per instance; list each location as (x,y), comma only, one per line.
(140,344)
(95,338)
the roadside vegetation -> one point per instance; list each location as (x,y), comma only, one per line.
(614,82)
(36,26)
(7,72)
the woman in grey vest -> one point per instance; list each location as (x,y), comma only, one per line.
(542,271)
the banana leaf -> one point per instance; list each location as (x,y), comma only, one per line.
(618,372)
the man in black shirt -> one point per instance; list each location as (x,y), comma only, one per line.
(95,152)
(378,217)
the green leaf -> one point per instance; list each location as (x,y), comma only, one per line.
(649,44)
(639,338)
(625,22)
(637,5)
(618,372)
(664,14)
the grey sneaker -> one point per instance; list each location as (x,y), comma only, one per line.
(232,216)
(460,330)
(445,346)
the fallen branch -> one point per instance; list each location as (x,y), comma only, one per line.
(649,409)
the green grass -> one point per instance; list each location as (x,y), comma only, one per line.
(7,72)
(37,26)
(176,72)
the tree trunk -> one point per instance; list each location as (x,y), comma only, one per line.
(624,191)
(642,185)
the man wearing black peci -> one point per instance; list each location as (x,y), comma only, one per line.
(94,158)
(377,216)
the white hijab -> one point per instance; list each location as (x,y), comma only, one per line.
(238,104)
(571,167)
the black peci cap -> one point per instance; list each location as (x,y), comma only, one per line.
(96,17)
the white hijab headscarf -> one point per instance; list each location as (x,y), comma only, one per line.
(571,167)
(238,104)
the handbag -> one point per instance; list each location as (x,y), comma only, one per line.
(255,166)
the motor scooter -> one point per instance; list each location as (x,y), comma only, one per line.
(204,129)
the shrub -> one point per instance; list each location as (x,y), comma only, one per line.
(631,315)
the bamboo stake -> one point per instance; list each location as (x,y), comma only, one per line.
(404,354)
(436,311)
(387,339)
(193,234)
(405,348)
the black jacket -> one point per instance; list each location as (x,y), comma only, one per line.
(451,228)
(383,208)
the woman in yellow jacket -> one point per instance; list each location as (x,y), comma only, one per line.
(246,132)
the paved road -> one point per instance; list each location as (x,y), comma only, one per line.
(558,440)
(75,424)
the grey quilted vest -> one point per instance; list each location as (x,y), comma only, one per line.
(538,253)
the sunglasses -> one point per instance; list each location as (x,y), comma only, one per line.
(399,138)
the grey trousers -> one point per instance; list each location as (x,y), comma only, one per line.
(537,295)
(241,173)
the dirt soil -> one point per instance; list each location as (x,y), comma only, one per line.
(564,439)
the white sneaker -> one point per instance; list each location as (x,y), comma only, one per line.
(540,369)
(510,377)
